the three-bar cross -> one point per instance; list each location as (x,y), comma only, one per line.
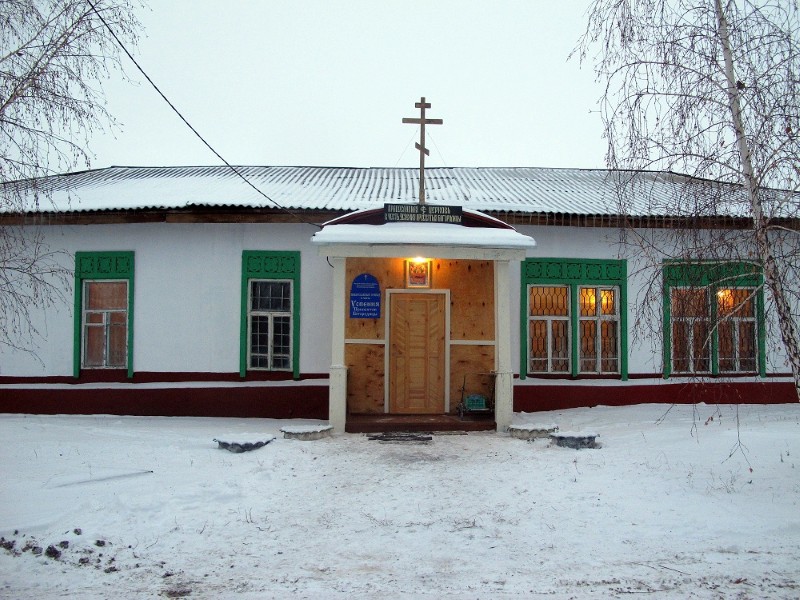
(423,151)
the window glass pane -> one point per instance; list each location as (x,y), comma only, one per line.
(106,295)
(701,347)
(117,344)
(588,302)
(270,296)
(560,338)
(259,335)
(549,301)
(281,341)
(588,345)
(258,361)
(727,356)
(280,362)
(538,346)
(747,346)
(93,346)
(680,346)
(608,302)
(609,354)
(739,302)
(687,302)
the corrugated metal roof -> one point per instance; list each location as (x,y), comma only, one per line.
(503,189)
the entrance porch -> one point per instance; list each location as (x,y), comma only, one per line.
(421,319)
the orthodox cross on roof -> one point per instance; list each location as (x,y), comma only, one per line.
(423,151)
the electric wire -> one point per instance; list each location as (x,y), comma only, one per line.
(439,152)
(464,191)
(189,125)
(406,147)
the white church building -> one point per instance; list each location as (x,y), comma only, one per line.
(333,293)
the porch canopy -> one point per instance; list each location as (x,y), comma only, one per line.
(478,236)
(475,236)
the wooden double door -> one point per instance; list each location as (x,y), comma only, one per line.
(417,352)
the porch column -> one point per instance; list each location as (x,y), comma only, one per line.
(337,392)
(504,379)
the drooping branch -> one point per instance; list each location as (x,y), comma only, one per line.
(54,55)
(711,90)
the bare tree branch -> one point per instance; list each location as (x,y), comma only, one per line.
(710,89)
(54,56)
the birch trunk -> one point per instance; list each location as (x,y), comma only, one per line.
(773,278)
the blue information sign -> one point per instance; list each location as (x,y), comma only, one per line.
(365,297)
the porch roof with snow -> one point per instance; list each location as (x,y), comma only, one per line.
(479,236)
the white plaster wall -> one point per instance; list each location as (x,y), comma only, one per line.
(187,295)
(187,287)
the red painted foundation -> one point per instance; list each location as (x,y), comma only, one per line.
(539,397)
(279,402)
(299,401)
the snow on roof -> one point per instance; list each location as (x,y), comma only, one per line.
(501,189)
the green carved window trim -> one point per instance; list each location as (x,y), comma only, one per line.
(100,266)
(269,264)
(713,275)
(574,273)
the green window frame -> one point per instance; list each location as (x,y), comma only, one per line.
(265,266)
(711,282)
(605,281)
(107,267)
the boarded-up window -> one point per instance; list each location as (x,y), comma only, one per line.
(105,324)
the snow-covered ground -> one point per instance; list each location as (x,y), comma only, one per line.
(668,506)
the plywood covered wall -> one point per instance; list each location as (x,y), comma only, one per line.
(470,369)
(365,391)
(471,285)
(471,335)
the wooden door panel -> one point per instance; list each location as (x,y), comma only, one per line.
(417,357)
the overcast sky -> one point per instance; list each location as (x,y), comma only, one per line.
(327,82)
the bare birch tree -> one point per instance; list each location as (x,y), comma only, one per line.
(54,56)
(709,89)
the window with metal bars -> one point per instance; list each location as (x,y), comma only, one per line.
(598,323)
(737,331)
(551,323)
(269,319)
(573,317)
(690,328)
(549,329)
(699,347)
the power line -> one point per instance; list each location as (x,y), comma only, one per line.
(406,147)
(189,125)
